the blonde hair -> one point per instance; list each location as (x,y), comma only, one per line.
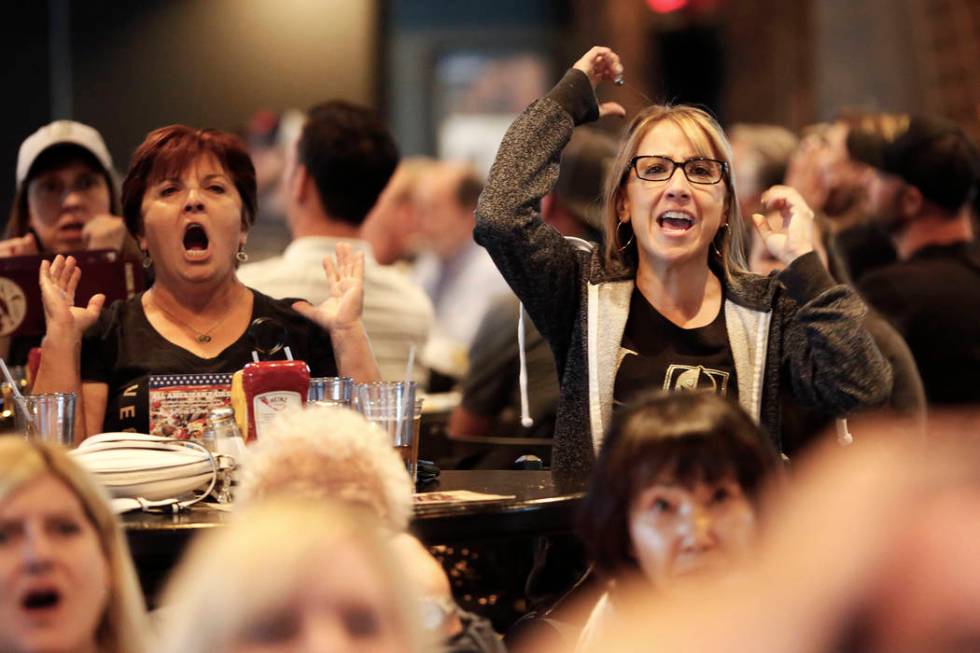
(709,140)
(323,452)
(122,627)
(886,125)
(245,571)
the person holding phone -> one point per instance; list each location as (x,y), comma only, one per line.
(66,197)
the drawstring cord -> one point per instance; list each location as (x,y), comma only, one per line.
(526,420)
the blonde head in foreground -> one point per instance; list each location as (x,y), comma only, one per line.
(326,452)
(66,577)
(291,575)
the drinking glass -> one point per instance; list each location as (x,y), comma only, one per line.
(52,417)
(331,391)
(393,407)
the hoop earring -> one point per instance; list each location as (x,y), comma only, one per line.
(628,242)
(241,255)
(714,244)
(146,261)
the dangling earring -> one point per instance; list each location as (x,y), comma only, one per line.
(620,239)
(241,255)
(146,262)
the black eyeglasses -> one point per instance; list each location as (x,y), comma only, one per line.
(697,171)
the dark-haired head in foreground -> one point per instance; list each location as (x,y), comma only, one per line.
(675,487)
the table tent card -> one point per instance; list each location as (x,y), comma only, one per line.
(179,403)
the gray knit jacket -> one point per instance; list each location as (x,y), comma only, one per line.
(798,323)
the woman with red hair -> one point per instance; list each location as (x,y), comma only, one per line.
(189,200)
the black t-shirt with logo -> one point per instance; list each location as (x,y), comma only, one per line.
(658,354)
(122,349)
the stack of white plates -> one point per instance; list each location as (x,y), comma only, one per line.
(145,466)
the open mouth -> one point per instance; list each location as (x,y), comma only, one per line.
(70,228)
(195,238)
(41,599)
(676,221)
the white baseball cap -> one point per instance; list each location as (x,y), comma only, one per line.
(56,133)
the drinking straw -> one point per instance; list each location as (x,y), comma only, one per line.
(408,386)
(18,397)
(411,364)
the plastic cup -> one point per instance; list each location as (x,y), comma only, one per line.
(393,407)
(331,390)
(52,418)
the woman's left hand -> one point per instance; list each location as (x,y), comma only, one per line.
(790,234)
(343,308)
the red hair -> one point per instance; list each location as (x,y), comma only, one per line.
(168,151)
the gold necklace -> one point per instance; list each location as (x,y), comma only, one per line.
(202,336)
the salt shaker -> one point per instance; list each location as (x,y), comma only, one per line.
(228,442)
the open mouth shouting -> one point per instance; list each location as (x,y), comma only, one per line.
(40,601)
(675,222)
(196,242)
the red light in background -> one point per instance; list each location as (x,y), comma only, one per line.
(666,6)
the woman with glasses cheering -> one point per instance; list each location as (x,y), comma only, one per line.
(668,303)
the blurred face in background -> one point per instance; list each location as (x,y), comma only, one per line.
(54,576)
(445,226)
(843,178)
(884,199)
(392,226)
(748,187)
(342,604)
(61,201)
(679,529)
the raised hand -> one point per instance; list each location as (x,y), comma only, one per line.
(600,63)
(343,308)
(58,280)
(789,231)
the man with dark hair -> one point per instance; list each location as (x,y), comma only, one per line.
(458,274)
(925,179)
(343,160)
(350,156)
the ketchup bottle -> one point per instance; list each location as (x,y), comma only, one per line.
(271,387)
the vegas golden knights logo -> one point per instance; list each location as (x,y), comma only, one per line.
(691,378)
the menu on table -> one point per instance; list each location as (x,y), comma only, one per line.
(457,496)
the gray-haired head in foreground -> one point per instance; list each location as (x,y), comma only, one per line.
(321,452)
